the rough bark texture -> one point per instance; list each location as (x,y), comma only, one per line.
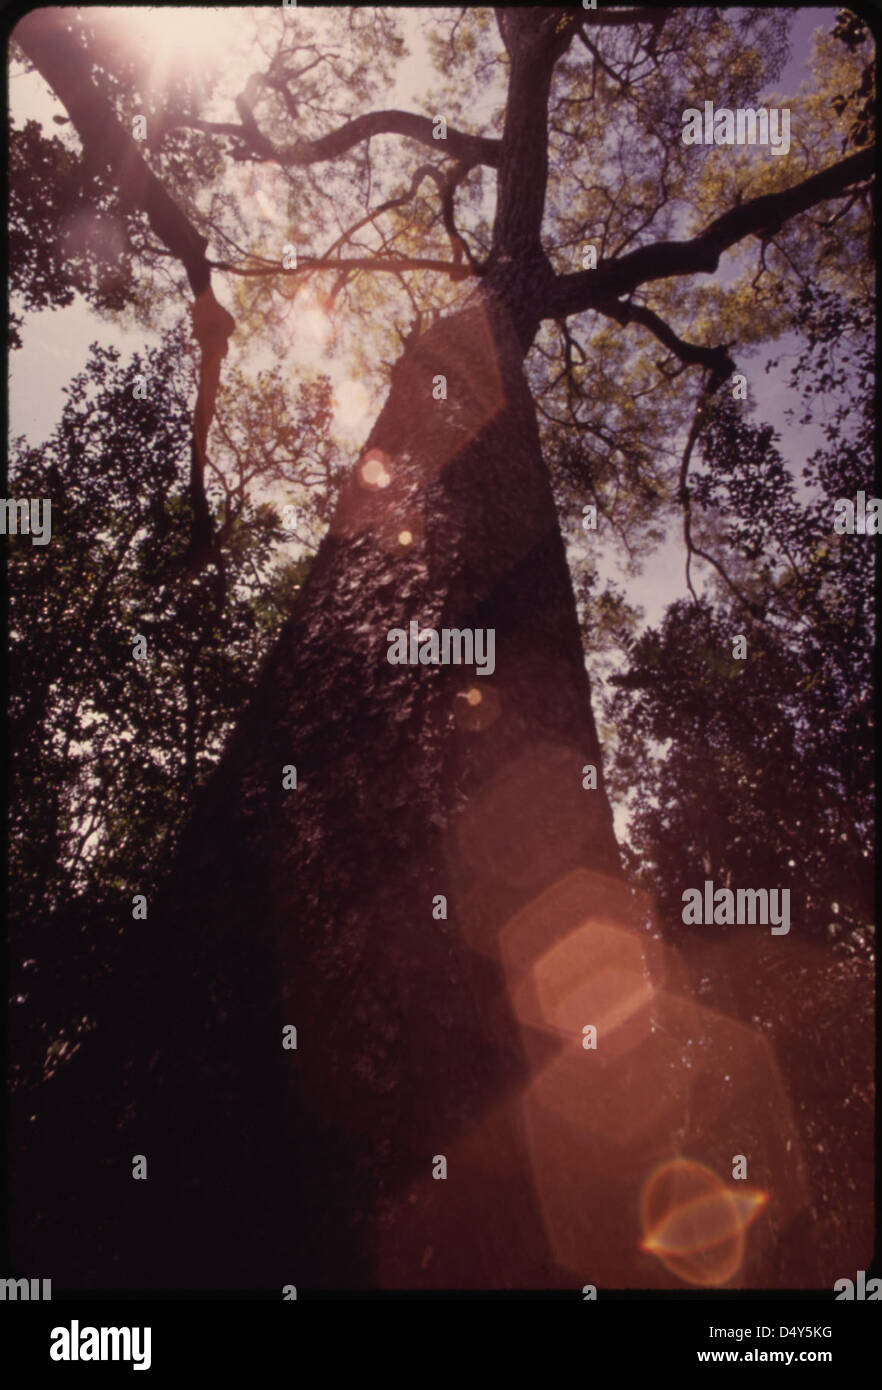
(313,906)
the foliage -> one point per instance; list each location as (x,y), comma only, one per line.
(63,230)
(107,750)
(760,772)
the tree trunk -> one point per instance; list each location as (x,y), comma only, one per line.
(314,907)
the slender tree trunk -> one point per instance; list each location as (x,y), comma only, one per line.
(314,907)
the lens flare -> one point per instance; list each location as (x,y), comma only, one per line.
(373,471)
(475,710)
(176,40)
(695,1224)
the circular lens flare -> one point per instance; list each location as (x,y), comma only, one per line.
(695,1224)
(373,471)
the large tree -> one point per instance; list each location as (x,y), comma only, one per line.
(420,1034)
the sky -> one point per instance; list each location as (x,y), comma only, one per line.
(56,343)
(663,579)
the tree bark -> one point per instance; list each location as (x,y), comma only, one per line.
(314,906)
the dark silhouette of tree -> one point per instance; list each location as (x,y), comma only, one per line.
(767,772)
(761,770)
(50,254)
(106,751)
(312,905)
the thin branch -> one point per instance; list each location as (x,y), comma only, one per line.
(600,61)
(683,497)
(447,185)
(715,359)
(683,491)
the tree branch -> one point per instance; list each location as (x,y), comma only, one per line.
(447,185)
(473,149)
(58,55)
(715,359)
(476,149)
(587,289)
(534,39)
(61,60)
(684,498)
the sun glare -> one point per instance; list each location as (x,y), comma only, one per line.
(184,37)
(314,325)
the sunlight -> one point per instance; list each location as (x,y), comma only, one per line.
(352,403)
(181,38)
(315,325)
